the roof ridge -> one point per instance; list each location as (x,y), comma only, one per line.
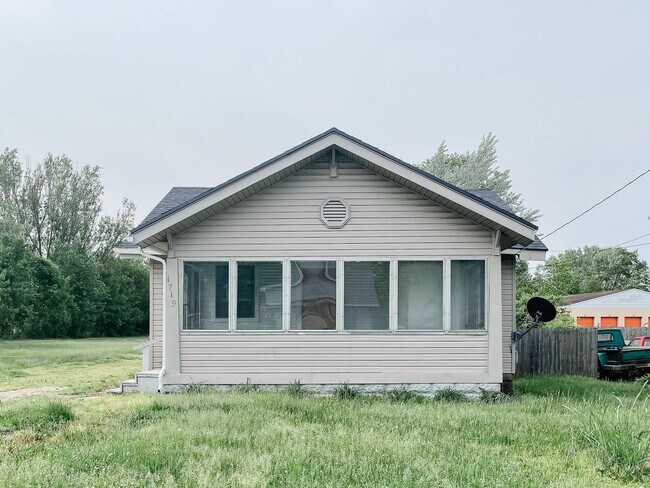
(334,130)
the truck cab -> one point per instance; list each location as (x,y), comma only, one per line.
(616,359)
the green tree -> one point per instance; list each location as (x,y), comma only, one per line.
(126,307)
(531,285)
(57,205)
(593,268)
(478,169)
(34,301)
(87,291)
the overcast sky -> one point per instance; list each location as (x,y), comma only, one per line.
(163,94)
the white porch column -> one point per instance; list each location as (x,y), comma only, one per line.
(495,322)
(172,325)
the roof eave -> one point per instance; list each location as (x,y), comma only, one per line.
(334,137)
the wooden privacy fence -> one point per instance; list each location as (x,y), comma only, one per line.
(564,351)
(558,351)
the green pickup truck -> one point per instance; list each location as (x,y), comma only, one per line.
(616,359)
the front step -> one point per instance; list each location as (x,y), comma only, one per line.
(144,382)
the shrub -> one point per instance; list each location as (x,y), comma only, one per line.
(450,395)
(345,392)
(620,435)
(296,389)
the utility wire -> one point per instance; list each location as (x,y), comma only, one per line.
(588,210)
(595,205)
(632,240)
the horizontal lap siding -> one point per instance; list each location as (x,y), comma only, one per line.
(156,277)
(386,220)
(341,355)
(508,299)
(283,221)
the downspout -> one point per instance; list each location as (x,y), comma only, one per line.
(163,366)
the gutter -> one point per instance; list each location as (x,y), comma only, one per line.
(163,366)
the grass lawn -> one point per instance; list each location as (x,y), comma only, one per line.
(77,366)
(279,440)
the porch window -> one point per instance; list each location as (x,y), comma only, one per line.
(259,295)
(205,295)
(467,295)
(313,295)
(419,289)
(365,295)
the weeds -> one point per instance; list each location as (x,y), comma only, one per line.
(296,389)
(38,416)
(402,395)
(487,396)
(620,435)
(450,395)
(194,389)
(345,392)
(247,387)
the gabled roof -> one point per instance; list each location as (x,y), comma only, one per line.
(176,215)
(632,298)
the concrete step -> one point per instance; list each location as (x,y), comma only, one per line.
(145,381)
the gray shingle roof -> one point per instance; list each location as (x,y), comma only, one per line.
(333,130)
(493,197)
(180,195)
(176,197)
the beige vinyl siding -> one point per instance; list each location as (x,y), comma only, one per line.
(331,358)
(387,220)
(508,299)
(283,221)
(155,318)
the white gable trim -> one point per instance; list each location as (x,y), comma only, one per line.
(318,145)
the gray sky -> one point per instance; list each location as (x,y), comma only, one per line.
(192,93)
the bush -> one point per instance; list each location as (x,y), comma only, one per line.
(345,392)
(620,435)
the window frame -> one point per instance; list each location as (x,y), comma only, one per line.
(446,304)
(486,297)
(391,304)
(340,306)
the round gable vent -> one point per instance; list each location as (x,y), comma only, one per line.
(334,213)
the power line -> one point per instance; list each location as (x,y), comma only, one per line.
(589,210)
(632,240)
(595,205)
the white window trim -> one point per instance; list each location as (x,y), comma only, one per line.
(340,306)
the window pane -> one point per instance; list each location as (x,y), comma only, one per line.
(221,290)
(259,296)
(419,295)
(366,295)
(313,295)
(467,295)
(205,295)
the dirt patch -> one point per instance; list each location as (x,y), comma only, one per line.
(25,392)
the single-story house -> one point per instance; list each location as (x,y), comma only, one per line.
(627,308)
(332,262)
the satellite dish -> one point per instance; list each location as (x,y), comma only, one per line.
(541,310)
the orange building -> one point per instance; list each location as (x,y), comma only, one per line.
(628,308)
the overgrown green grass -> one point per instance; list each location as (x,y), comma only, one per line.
(250,438)
(274,439)
(77,365)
